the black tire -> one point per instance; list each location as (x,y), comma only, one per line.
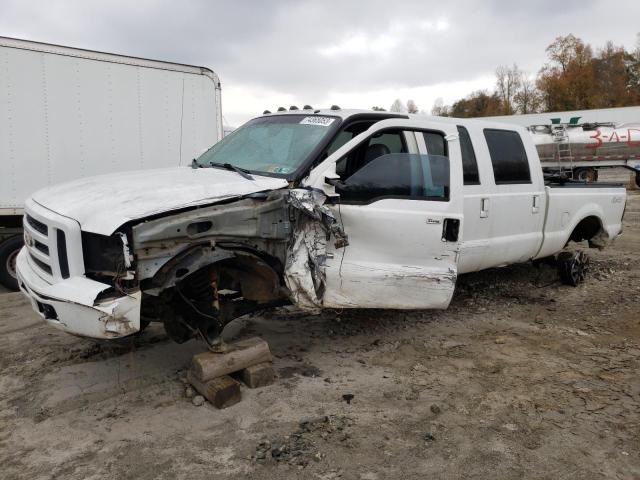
(8,253)
(572,267)
(581,174)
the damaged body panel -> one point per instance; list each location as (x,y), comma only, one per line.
(398,256)
(259,251)
(61,307)
(104,203)
(320,210)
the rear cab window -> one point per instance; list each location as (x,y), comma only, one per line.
(508,156)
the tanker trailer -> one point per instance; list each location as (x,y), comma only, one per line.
(578,143)
(579,150)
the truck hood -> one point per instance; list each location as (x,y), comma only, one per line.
(103,203)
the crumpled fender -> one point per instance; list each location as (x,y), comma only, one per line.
(304,272)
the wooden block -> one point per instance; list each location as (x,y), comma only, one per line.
(239,355)
(222,392)
(259,375)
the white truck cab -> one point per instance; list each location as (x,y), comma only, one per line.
(316,208)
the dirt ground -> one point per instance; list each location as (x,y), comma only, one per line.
(520,378)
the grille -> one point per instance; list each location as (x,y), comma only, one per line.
(41,264)
(37,225)
(42,247)
(38,243)
(46,237)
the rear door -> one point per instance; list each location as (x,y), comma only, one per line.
(515,202)
(402,211)
(476,193)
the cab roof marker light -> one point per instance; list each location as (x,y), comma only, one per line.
(293,107)
(307,107)
(282,109)
(335,107)
(266,112)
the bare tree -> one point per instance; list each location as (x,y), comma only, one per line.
(412,107)
(397,106)
(508,83)
(528,98)
(564,50)
(439,109)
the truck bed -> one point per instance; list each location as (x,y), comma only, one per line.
(572,204)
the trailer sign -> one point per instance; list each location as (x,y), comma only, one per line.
(630,135)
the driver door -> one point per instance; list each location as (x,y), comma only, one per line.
(401,208)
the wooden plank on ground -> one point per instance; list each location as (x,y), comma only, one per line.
(221,392)
(259,375)
(239,355)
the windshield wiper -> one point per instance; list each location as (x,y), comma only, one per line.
(240,171)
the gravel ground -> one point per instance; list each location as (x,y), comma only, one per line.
(520,378)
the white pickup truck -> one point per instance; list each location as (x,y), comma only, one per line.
(316,208)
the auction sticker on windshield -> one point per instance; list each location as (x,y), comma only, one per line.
(322,121)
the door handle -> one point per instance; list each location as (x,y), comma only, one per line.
(535,204)
(484,207)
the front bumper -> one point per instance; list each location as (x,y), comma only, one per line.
(70,304)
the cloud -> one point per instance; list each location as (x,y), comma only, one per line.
(380,44)
(362,44)
(355,53)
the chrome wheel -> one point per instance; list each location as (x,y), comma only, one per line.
(573,267)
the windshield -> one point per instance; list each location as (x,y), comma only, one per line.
(274,145)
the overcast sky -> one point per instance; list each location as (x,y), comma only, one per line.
(352,53)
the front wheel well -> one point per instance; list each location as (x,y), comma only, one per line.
(199,296)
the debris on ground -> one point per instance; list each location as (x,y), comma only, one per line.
(189,392)
(347,397)
(304,445)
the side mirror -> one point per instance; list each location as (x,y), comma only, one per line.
(332,181)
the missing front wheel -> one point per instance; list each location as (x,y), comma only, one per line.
(192,311)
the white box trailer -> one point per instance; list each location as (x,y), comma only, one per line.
(580,142)
(67,113)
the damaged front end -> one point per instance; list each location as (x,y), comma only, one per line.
(99,297)
(81,306)
(200,269)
